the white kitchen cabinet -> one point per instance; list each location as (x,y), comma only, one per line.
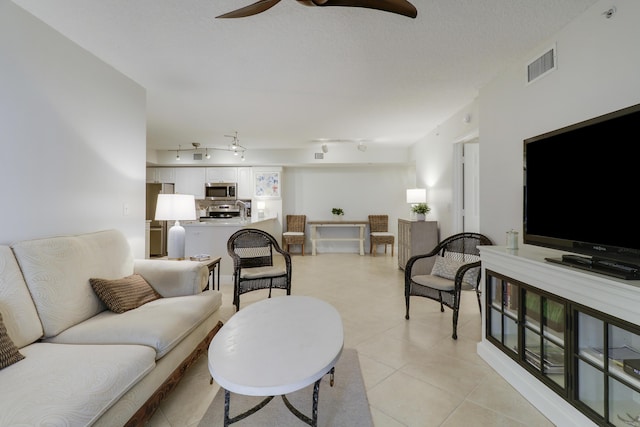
(245,183)
(221,174)
(190,181)
(161,175)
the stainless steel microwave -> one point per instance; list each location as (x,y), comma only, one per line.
(220,190)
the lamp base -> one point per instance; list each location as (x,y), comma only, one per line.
(175,242)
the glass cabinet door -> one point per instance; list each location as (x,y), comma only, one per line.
(503,297)
(544,339)
(608,364)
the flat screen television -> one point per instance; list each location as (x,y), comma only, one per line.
(581,189)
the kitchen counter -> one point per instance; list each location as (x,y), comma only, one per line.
(226,222)
(210,237)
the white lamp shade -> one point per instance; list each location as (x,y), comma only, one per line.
(416,195)
(176,207)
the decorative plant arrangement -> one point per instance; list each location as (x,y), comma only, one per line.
(421,209)
(337,212)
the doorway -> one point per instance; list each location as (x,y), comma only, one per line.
(466,186)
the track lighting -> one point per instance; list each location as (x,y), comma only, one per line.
(235,147)
(325,148)
(362,147)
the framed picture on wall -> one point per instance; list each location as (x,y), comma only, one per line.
(267,184)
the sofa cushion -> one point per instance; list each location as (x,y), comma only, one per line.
(159,324)
(18,310)
(120,295)
(69,385)
(57,272)
(9,353)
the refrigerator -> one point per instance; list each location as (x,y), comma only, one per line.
(158,229)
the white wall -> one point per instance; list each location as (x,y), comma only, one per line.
(435,168)
(359,190)
(72,133)
(598,72)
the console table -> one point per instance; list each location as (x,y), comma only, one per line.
(314,225)
(562,336)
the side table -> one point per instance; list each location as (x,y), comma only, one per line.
(213,264)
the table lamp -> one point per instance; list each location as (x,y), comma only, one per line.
(416,195)
(175,207)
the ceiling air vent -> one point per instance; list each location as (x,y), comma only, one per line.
(197,156)
(319,156)
(541,65)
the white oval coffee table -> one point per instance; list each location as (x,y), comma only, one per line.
(274,347)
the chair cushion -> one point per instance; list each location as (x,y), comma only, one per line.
(259,272)
(437,282)
(381,234)
(124,294)
(9,353)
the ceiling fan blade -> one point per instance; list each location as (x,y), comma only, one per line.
(401,7)
(252,9)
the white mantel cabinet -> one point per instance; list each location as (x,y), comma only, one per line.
(579,387)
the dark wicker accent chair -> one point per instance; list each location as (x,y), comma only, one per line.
(295,232)
(379,233)
(456,267)
(258,263)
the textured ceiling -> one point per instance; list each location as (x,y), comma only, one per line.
(295,74)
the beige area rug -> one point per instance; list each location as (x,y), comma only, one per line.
(344,404)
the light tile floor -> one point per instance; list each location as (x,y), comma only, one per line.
(414,373)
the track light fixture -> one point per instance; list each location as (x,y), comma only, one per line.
(325,148)
(362,147)
(235,147)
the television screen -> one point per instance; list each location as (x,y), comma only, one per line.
(581,187)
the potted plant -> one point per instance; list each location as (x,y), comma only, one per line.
(421,210)
(337,213)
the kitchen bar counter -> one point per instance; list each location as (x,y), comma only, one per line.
(210,237)
(226,222)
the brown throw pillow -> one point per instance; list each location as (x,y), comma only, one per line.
(9,353)
(125,294)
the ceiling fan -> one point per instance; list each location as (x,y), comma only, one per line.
(401,7)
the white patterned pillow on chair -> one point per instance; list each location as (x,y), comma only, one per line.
(447,268)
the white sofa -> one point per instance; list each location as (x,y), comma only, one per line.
(85,365)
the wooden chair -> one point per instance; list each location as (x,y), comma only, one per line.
(295,232)
(258,263)
(456,267)
(379,233)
